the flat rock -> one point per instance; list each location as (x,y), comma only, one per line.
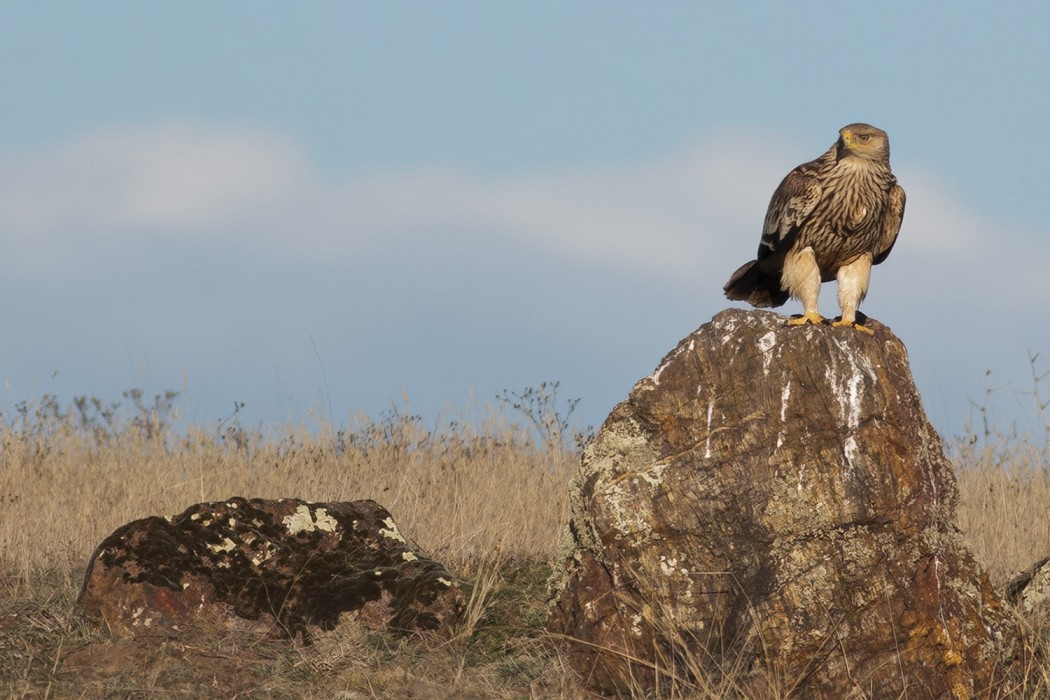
(279,567)
(772,506)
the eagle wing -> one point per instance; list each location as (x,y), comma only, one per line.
(792,203)
(891,224)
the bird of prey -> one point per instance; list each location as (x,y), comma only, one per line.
(831,218)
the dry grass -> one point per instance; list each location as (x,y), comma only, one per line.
(464,488)
(474,490)
(1004,507)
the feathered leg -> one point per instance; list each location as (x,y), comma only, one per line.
(801,278)
(853,286)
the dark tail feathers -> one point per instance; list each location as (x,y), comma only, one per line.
(755,287)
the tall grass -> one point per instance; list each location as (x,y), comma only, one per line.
(483,489)
(1004,479)
(462,487)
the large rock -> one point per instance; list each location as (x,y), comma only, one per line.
(772,508)
(284,567)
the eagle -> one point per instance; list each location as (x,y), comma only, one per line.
(830,219)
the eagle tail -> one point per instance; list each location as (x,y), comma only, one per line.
(756,287)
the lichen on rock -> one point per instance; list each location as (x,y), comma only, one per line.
(305,519)
(285,568)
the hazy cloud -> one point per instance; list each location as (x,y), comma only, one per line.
(194,183)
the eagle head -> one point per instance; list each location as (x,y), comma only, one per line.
(864,141)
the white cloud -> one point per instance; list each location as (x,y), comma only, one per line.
(689,217)
(194,183)
(670,216)
(937,220)
(695,211)
(172,177)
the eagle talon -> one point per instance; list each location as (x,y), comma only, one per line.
(862,328)
(808,317)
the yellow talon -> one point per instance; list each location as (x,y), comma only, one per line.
(808,317)
(864,329)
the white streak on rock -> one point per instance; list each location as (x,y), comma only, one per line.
(850,449)
(655,376)
(766,343)
(848,388)
(710,412)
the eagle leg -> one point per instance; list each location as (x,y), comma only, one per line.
(853,278)
(801,278)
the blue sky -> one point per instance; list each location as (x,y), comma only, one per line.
(321,207)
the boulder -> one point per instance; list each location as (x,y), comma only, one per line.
(771,512)
(284,567)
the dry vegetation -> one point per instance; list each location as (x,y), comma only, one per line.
(478,491)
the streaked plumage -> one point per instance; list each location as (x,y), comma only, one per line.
(831,218)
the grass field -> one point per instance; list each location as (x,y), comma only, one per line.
(476,490)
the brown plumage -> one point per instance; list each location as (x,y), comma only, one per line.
(831,218)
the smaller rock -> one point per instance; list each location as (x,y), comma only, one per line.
(1029,592)
(284,568)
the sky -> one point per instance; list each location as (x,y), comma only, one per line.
(318,209)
